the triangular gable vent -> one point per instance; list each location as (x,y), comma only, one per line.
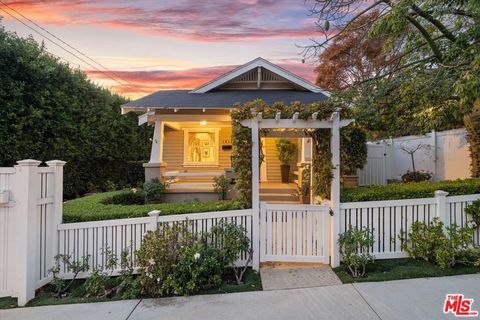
(259,74)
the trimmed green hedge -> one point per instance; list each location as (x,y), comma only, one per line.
(409,190)
(95,207)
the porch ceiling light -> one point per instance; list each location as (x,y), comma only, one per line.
(203,123)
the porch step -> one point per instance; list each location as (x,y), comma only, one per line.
(278,188)
(271,197)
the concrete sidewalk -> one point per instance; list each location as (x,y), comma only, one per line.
(403,299)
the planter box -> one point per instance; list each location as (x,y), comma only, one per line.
(350,181)
(4,196)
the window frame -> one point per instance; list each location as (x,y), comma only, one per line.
(186,132)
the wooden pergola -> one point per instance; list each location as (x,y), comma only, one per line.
(283,128)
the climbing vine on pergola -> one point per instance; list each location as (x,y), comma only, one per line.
(352,157)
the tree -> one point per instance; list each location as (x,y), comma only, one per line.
(50,111)
(354,56)
(437,38)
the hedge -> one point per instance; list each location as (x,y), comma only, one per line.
(51,111)
(94,207)
(409,190)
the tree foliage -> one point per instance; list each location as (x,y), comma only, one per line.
(51,111)
(434,84)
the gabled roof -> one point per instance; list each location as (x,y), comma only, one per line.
(179,99)
(257,79)
(252,65)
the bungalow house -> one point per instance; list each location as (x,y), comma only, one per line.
(192,143)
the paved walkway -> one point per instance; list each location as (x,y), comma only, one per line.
(404,299)
(279,277)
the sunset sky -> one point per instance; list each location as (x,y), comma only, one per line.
(170,44)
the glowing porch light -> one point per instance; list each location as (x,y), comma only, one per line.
(203,123)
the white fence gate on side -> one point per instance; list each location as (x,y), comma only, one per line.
(375,171)
(294,233)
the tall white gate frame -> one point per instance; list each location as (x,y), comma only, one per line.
(299,126)
(294,233)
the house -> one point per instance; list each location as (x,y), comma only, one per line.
(192,143)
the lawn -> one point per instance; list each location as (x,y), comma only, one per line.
(397,269)
(410,190)
(92,207)
(44,296)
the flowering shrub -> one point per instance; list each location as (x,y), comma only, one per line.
(416,176)
(198,267)
(172,260)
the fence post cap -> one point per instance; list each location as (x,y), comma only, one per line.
(441,193)
(29,163)
(154,213)
(56,163)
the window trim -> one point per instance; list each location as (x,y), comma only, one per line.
(186,132)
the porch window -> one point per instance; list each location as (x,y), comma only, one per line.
(201,147)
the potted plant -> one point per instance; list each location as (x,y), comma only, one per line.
(353,154)
(286,150)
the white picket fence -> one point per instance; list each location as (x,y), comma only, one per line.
(31,232)
(93,239)
(388,220)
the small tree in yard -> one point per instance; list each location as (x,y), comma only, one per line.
(232,241)
(354,248)
(222,186)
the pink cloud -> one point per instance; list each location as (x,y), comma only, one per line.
(145,82)
(190,20)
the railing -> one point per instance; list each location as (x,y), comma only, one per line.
(391,220)
(94,238)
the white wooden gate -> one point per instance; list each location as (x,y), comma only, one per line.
(294,233)
(375,171)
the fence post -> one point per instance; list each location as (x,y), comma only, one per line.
(24,229)
(256,237)
(441,212)
(153,225)
(57,166)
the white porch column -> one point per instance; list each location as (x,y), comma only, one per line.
(335,189)
(156,155)
(255,194)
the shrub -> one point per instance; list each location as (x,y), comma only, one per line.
(126,198)
(355,245)
(445,246)
(232,241)
(424,239)
(416,176)
(154,189)
(199,267)
(353,150)
(473,210)
(409,190)
(172,260)
(222,186)
(70,265)
(286,150)
(94,207)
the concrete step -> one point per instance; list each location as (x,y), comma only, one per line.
(279,197)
